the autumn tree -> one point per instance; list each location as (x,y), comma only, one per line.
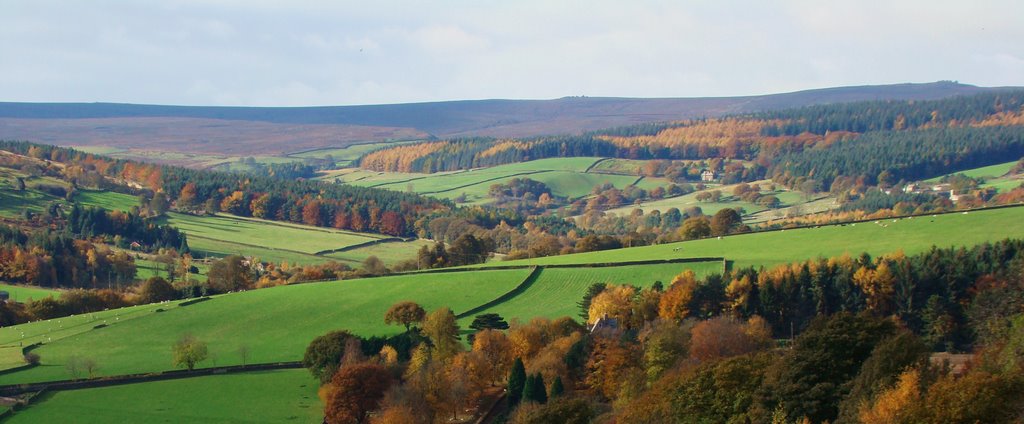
(724,221)
(696,227)
(189,351)
(405,313)
(156,289)
(676,303)
(358,389)
(495,348)
(229,274)
(443,330)
(614,302)
(584,304)
(722,337)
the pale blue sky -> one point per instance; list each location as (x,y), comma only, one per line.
(290,53)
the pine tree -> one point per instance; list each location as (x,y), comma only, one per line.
(534,390)
(516,382)
(557,389)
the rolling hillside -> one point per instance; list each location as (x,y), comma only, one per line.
(239,131)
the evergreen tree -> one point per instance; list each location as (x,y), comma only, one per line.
(516,382)
(534,389)
(594,290)
(489,321)
(557,389)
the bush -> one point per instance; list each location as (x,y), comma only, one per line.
(32,358)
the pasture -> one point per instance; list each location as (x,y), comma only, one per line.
(106,199)
(274,241)
(567,177)
(555,291)
(275,323)
(22,294)
(252,397)
(991,171)
(268,234)
(912,235)
(346,156)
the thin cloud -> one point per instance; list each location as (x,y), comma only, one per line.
(328,53)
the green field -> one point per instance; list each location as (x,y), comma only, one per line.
(22,294)
(775,247)
(555,292)
(254,397)
(391,252)
(278,242)
(344,156)
(991,171)
(146,268)
(788,199)
(270,234)
(276,323)
(106,199)
(12,339)
(565,177)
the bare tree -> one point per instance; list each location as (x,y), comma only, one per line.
(243,352)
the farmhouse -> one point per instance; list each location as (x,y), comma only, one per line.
(707,175)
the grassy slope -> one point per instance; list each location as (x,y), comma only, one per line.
(257,397)
(391,252)
(266,233)
(22,294)
(709,208)
(12,339)
(106,200)
(769,248)
(557,290)
(990,171)
(276,323)
(283,242)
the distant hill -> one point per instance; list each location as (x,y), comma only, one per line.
(274,130)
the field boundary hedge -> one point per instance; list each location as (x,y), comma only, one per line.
(16,389)
(361,245)
(516,291)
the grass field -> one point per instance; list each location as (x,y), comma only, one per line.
(788,199)
(276,323)
(269,234)
(146,268)
(776,247)
(12,339)
(21,293)
(344,156)
(255,397)
(991,171)
(391,252)
(555,292)
(565,176)
(273,241)
(106,199)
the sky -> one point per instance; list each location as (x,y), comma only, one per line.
(296,53)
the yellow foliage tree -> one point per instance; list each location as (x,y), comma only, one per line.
(675,302)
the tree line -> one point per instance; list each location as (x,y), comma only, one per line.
(843,340)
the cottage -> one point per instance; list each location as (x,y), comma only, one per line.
(707,175)
(605,325)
